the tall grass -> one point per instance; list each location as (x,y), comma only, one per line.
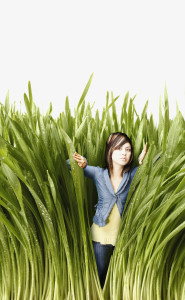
(46,210)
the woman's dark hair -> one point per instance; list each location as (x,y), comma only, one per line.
(114,141)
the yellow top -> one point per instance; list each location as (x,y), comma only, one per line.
(108,233)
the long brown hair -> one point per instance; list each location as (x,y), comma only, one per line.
(114,141)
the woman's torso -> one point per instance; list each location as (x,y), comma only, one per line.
(106,194)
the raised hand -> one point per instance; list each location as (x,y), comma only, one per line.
(82,162)
(142,155)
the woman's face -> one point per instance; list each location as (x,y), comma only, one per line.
(121,155)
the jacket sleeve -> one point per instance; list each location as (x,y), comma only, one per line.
(133,172)
(89,171)
(68,164)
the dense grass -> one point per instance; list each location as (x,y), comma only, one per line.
(46,210)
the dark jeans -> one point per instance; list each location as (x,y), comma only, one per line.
(102,254)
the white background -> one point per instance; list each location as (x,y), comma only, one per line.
(133,46)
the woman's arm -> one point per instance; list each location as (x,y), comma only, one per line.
(89,171)
(142,155)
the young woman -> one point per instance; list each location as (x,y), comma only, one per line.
(112,185)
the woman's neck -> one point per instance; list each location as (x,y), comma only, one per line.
(116,172)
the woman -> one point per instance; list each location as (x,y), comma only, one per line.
(112,185)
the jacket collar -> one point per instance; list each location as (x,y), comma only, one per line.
(123,183)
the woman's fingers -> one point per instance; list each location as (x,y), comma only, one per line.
(145,149)
(79,159)
(143,153)
(76,156)
(82,165)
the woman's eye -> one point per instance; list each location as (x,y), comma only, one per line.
(120,148)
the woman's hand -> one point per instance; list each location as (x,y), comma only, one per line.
(82,162)
(142,155)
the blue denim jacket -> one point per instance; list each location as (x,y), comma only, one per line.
(106,195)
